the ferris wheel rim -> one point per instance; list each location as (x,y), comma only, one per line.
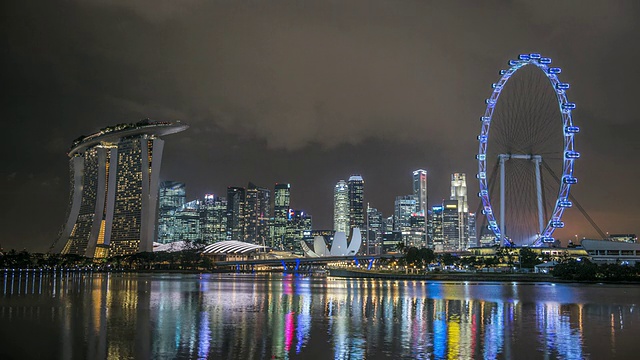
(569,154)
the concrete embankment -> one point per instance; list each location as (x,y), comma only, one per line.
(444,276)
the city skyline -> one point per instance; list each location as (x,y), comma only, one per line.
(375,92)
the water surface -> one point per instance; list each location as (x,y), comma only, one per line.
(213,316)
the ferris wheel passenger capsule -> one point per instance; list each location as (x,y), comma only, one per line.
(562,86)
(565,203)
(481,175)
(523,56)
(554,70)
(571,129)
(513,62)
(572,154)
(502,72)
(481,157)
(534,56)
(569,180)
(482,138)
(568,106)
(557,224)
(547,239)
(545,61)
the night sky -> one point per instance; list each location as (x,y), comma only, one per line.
(307,93)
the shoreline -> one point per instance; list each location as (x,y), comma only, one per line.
(441,276)
(350,274)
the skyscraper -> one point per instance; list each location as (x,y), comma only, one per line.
(450,225)
(459,191)
(235,213)
(257,209)
(298,223)
(420,190)
(473,237)
(404,207)
(213,218)
(437,233)
(282,203)
(171,198)
(356,202)
(187,225)
(341,207)
(375,225)
(459,194)
(114,190)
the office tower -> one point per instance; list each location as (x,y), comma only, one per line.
(473,238)
(187,223)
(114,190)
(235,213)
(298,223)
(213,219)
(459,191)
(405,206)
(356,202)
(257,209)
(375,229)
(341,207)
(171,198)
(282,203)
(388,224)
(437,232)
(451,225)
(420,190)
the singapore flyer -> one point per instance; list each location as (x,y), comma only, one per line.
(526,153)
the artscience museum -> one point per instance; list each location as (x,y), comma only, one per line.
(341,246)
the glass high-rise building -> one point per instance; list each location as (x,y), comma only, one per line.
(451,225)
(459,194)
(459,191)
(281,205)
(341,207)
(213,218)
(235,213)
(356,202)
(298,223)
(375,226)
(171,198)
(187,224)
(257,209)
(404,207)
(437,231)
(473,237)
(114,180)
(420,190)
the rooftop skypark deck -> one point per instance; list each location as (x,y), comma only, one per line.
(115,132)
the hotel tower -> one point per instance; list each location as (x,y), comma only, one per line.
(114,176)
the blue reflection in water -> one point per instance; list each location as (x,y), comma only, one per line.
(494,332)
(555,332)
(439,331)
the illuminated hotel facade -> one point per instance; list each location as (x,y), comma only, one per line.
(114,177)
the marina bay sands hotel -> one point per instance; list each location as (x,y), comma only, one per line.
(114,177)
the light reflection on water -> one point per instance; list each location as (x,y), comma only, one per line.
(167,316)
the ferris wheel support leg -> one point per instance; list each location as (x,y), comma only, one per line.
(538,159)
(503,158)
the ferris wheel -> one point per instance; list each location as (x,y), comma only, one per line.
(528,135)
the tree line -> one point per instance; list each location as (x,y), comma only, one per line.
(180,260)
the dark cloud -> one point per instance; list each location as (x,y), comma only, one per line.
(307,92)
